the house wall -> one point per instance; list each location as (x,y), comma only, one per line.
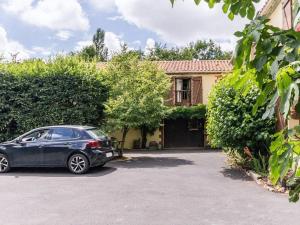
(208,80)
(135,134)
(276,18)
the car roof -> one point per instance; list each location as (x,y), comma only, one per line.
(69,126)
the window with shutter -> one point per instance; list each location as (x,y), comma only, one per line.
(183,91)
(197,91)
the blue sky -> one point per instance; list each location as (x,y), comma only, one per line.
(42,28)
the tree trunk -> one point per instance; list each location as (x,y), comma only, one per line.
(144,132)
(125,131)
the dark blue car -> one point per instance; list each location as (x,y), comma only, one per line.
(75,147)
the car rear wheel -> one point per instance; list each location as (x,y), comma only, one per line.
(4,163)
(78,164)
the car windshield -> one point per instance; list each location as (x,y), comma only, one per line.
(96,133)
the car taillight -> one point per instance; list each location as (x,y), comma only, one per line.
(93,144)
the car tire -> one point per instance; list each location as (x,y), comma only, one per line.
(4,164)
(78,164)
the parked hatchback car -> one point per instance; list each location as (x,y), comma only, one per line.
(75,147)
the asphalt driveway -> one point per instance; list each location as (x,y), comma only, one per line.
(169,188)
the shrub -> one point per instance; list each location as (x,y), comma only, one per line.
(64,90)
(231,123)
(192,112)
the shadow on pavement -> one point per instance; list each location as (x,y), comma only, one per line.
(235,174)
(57,172)
(171,151)
(150,162)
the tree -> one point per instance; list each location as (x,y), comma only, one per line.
(137,91)
(63,90)
(98,40)
(194,50)
(88,53)
(276,64)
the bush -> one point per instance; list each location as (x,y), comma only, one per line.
(192,112)
(231,123)
(64,90)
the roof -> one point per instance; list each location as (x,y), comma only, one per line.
(190,66)
(269,7)
(195,66)
(67,126)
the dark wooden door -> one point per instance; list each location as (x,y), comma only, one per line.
(183,133)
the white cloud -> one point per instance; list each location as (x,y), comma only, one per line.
(63,35)
(150,44)
(81,44)
(8,47)
(113,42)
(183,23)
(42,50)
(103,5)
(52,14)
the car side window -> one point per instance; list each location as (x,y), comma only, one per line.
(62,133)
(35,136)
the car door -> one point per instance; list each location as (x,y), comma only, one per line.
(27,151)
(58,146)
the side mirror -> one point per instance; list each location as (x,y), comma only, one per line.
(18,141)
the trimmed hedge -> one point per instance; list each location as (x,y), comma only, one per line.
(64,90)
(231,123)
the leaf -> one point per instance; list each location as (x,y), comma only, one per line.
(225,8)
(197,2)
(239,34)
(260,62)
(231,16)
(251,11)
(211,3)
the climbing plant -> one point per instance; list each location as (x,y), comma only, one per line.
(274,57)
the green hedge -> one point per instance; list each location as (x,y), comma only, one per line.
(192,112)
(231,123)
(64,90)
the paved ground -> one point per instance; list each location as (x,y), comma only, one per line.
(172,188)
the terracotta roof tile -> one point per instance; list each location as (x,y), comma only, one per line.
(195,66)
(190,66)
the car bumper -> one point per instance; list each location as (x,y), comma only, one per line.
(100,157)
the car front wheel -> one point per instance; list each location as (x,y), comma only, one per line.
(4,163)
(78,164)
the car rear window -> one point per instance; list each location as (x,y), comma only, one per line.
(96,133)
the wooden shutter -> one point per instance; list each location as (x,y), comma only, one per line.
(170,101)
(197,90)
(287,14)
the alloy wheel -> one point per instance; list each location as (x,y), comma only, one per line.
(3,163)
(78,164)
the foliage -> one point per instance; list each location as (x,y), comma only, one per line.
(98,40)
(233,7)
(285,158)
(192,112)
(274,56)
(137,90)
(96,51)
(276,63)
(88,53)
(230,122)
(237,159)
(260,165)
(64,90)
(195,50)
